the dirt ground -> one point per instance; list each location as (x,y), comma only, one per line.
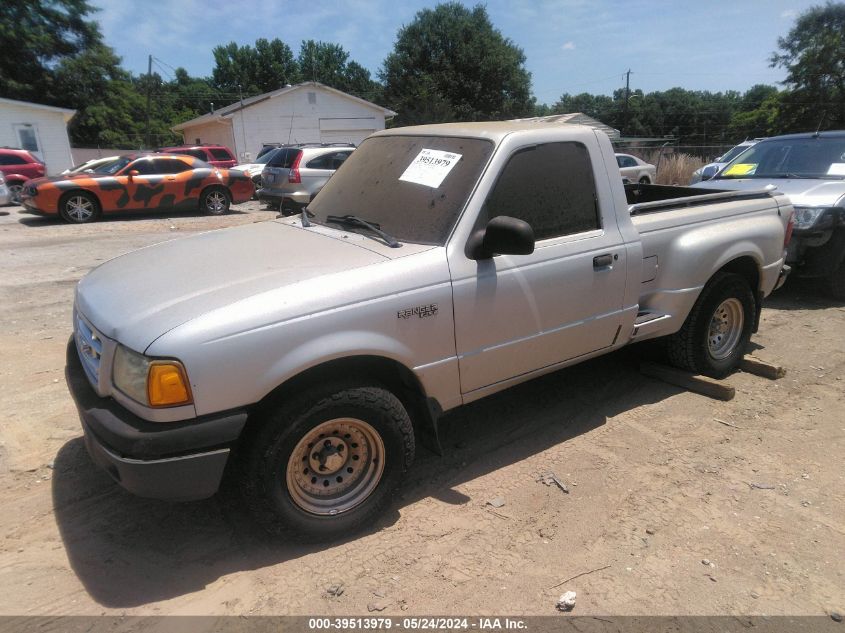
(660,503)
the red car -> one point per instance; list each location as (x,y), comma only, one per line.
(138,182)
(217,155)
(18,166)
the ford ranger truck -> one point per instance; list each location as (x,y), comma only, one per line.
(810,169)
(307,355)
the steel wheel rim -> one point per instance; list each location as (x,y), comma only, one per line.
(79,208)
(216,202)
(725,328)
(335,466)
(15,192)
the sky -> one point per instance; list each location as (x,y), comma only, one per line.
(570,46)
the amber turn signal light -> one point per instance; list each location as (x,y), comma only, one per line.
(167,384)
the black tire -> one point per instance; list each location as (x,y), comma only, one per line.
(700,347)
(215,201)
(270,463)
(15,191)
(79,207)
(836,283)
(645,180)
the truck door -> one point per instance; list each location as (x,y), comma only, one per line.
(515,314)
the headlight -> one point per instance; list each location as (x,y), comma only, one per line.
(151,382)
(805,217)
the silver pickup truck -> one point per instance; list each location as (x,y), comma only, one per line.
(308,355)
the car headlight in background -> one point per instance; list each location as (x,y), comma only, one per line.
(151,382)
(806,217)
(696,176)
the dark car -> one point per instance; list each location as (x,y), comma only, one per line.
(139,182)
(18,166)
(217,155)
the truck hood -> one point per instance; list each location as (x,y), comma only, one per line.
(137,297)
(803,192)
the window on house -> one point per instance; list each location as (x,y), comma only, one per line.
(28,137)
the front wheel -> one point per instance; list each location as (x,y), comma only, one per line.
(326,464)
(215,201)
(717,331)
(79,207)
(645,180)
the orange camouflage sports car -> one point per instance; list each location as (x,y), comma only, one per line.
(138,182)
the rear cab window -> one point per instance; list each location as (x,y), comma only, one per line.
(218,153)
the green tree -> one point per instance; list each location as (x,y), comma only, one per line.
(36,35)
(267,66)
(323,62)
(813,54)
(452,64)
(106,101)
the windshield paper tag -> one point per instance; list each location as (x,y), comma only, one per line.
(740,169)
(430,167)
(836,169)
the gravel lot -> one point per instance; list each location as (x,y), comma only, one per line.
(660,491)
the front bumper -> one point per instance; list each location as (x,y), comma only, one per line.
(177,461)
(816,253)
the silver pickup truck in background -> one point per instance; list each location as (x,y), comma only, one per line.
(439,265)
(810,169)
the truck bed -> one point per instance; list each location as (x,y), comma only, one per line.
(655,198)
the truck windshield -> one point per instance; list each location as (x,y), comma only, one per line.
(412,187)
(806,157)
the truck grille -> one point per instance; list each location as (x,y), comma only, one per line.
(89,346)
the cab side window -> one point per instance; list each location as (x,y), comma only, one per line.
(170,166)
(549,186)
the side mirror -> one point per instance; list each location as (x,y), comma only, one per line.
(503,235)
(133,173)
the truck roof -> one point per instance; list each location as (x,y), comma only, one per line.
(493,130)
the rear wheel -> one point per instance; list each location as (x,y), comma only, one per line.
(215,201)
(326,464)
(645,180)
(717,331)
(79,207)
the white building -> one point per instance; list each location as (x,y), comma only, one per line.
(305,113)
(40,129)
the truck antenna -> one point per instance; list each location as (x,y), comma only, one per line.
(816,133)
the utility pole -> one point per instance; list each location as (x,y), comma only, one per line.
(243,124)
(627,96)
(149,90)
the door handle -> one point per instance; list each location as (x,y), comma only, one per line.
(602,261)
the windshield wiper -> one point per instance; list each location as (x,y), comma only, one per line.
(354,220)
(788,174)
